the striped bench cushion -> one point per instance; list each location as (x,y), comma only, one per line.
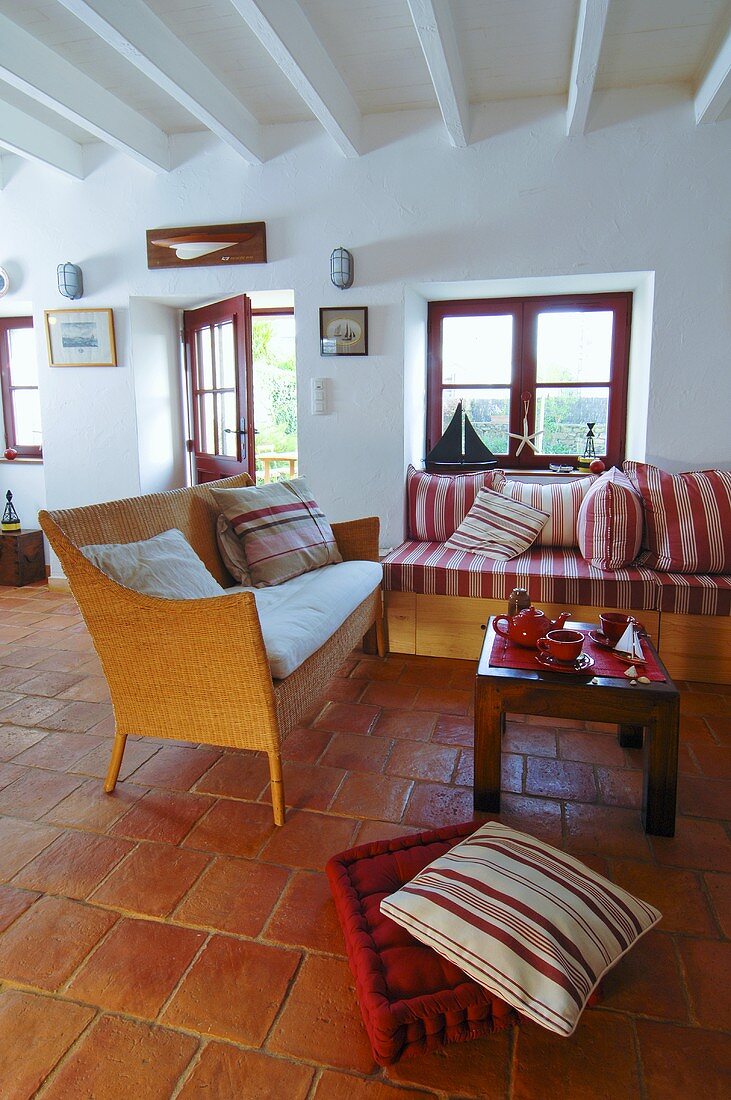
(561,499)
(694,594)
(549,574)
(438,503)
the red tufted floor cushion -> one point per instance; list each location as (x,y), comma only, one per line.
(412,1000)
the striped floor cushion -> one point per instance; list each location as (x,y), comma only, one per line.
(549,574)
(694,594)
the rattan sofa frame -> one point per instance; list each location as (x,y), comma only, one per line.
(197,670)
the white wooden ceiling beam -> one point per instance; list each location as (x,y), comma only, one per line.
(22,134)
(438,38)
(590,26)
(45,76)
(132,29)
(286,33)
(714,91)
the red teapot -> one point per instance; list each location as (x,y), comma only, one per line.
(527,626)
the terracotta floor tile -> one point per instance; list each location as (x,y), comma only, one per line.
(417,761)
(233,828)
(77,717)
(89,807)
(378,670)
(479,1069)
(443,700)
(235,775)
(175,767)
(363,795)
(341,1086)
(13,902)
(16,739)
(647,980)
(229,979)
(720,729)
(308,787)
(529,740)
(234,895)
(308,840)
(59,751)
(10,700)
(560,779)
(73,865)
(146,1061)
(96,761)
(700,797)
(592,748)
(703,703)
(46,944)
(406,724)
(137,967)
(20,842)
(341,690)
(677,894)
(715,760)
(719,891)
(707,965)
(91,689)
(357,752)
(454,730)
(540,817)
(347,718)
(305,745)
(464,775)
(463,675)
(9,773)
(609,830)
(162,815)
(702,844)
(50,683)
(305,915)
(385,694)
(152,880)
(597,1062)
(320,1021)
(43,1029)
(35,793)
(223,1071)
(434,804)
(383,830)
(695,730)
(683,1062)
(12,678)
(620,787)
(30,711)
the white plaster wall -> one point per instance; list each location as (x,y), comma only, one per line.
(641,193)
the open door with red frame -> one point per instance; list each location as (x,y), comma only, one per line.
(218,359)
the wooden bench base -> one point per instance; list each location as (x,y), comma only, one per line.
(693,647)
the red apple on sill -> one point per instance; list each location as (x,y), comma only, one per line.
(597,466)
(10,453)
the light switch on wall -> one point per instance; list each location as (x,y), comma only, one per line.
(319,396)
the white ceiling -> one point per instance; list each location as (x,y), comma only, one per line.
(352,58)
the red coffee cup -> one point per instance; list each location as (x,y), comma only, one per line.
(614,624)
(562,645)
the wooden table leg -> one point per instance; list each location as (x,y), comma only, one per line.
(630,737)
(661,770)
(489,728)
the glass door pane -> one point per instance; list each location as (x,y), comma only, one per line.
(275,396)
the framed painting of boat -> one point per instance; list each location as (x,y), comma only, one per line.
(207,245)
(344,330)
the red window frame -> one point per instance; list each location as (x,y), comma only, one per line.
(525,313)
(8,389)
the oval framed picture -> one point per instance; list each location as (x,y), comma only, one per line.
(4,282)
(344,330)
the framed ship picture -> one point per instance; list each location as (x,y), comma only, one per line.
(80,338)
(344,330)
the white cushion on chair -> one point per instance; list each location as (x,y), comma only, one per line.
(299,616)
(165,565)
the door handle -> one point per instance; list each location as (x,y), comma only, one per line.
(234,431)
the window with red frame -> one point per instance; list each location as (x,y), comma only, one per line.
(559,362)
(19,386)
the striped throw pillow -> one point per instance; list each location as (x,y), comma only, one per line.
(497,527)
(437,503)
(687,518)
(561,500)
(282,527)
(531,924)
(609,525)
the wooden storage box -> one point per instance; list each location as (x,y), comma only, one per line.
(22,558)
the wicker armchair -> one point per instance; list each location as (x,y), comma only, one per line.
(197,670)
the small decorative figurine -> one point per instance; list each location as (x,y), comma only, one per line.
(11,519)
(527,437)
(589,454)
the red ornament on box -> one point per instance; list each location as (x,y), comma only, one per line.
(597,466)
(10,453)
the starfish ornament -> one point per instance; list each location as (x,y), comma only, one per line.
(526,437)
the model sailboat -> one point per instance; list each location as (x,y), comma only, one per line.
(460,446)
(629,646)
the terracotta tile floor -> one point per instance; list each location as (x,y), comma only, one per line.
(169,941)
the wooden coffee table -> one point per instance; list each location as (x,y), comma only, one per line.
(646,713)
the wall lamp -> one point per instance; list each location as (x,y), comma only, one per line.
(341,268)
(70,280)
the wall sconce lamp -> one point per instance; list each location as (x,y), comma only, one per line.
(341,268)
(70,280)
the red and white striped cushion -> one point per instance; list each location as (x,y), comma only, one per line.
(687,518)
(497,527)
(531,924)
(609,525)
(561,500)
(437,503)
